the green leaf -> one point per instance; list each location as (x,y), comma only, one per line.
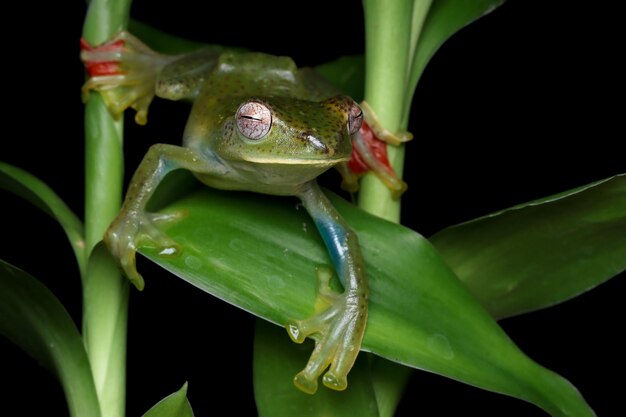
(33,190)
(543,252)
(161,41)
(276,359)
(389,380)
(444,19)
(420,313)
(346,73)
(174,405)
(34,319)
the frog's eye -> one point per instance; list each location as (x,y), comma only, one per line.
(254,120)
(355,119)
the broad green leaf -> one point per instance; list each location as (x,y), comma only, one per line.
(420,313)
(33,190)
(543,252)
(34,319)
(444,19)
(276,359)
(174,405)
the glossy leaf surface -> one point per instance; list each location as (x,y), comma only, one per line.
(543,252)
(420,314)
(174,405)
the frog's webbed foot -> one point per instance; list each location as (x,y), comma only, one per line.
(131,228)
(338,331)
(124,71)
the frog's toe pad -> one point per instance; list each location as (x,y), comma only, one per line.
(128,264)
(301,329)
(336,382)
(295,331)
(305,383)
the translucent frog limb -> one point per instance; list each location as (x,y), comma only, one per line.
(349,179)
(133,225)
(383,171)
(127,73)
(339,329)
(130,76)
(369,154)
(380,132)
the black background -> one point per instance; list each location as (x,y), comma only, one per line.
(525,103)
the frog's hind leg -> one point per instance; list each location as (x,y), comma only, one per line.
(127,73)
(338,330)
(124,70)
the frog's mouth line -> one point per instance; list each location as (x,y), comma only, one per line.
(297,161)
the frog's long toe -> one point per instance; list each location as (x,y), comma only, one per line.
(124,71)
(129,229)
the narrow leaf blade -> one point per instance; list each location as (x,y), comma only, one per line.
(420,313)
(444,19)
(33,190)
(174,405)
(543,252)
(34,319)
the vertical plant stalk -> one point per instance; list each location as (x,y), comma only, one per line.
(392,30)
(105,292)
(387,48)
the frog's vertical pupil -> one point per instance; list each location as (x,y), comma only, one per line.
(254,120)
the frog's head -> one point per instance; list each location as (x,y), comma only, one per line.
(289,132)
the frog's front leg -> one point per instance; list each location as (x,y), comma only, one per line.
(340,328)
(133,224)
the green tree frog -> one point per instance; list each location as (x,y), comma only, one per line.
(258,123)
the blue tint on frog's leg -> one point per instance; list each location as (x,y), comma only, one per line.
(342,325)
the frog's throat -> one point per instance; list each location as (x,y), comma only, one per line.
(296,161)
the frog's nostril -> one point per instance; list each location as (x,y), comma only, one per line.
(317,143)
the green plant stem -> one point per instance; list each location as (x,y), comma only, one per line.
(105,292)
(386,23)
(392,31)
